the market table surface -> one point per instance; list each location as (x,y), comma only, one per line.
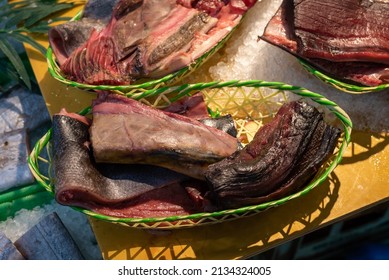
(360,182)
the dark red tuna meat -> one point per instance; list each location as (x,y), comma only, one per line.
(348,34)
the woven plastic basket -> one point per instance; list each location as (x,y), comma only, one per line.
(251,103)
(167,80)
(343,86)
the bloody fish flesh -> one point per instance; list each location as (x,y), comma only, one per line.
(143,38)
(349,39)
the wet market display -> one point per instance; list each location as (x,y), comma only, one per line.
(165,167)
(120,45)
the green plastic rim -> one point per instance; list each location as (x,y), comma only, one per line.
(343,86)
(269,94)
(23,197)
(167,80)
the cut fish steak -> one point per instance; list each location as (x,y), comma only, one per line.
(127,131)
(283,156)
(116,189)
(349,39)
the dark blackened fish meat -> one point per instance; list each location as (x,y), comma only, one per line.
(346,33)
(116,189)
(148,39)
(284,155)
(127,131)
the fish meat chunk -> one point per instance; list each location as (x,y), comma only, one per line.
(194,106)
(212,7)
(284,155)
(116,189)
(69,36)
(127,131)
(348,30)
(345,33)
(143,39)
(77,175)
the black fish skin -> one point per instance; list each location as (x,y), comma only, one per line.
(79,180)
(224,123)
(283,155)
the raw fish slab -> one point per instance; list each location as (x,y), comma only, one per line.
(118,190)
(265,169)
(355,49)
(126,131)
(351,30)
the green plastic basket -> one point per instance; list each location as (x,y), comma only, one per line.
(251,104)
(343,86)
(167,80)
